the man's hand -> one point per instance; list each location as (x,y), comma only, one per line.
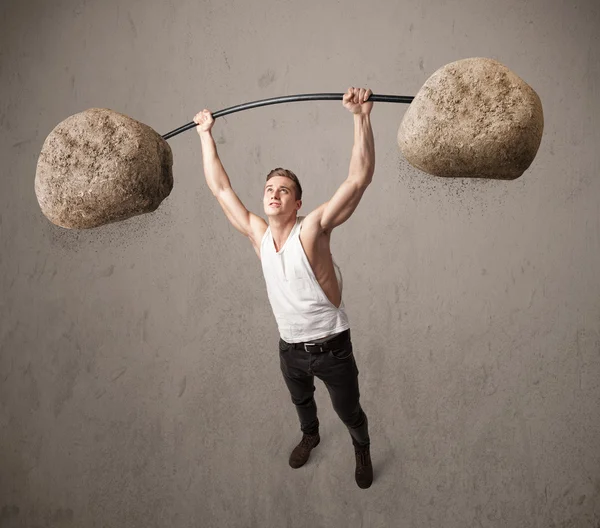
(204,120)
(355,100)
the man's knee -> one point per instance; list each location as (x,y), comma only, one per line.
(352,417)
(304,400)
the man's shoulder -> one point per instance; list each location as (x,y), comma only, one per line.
(314,240)
(258,230)
(258,227)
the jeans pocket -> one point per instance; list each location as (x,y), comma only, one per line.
(283,346)
(344,352)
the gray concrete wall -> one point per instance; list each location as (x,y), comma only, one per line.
(139,377)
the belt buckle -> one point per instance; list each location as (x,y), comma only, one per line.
(308,344)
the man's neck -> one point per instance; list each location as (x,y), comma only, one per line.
(281,229)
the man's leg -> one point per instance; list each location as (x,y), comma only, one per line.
(301,384)
(295,369)
(339,372)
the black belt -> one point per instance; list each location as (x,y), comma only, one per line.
(326,346)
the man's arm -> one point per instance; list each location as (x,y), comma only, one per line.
(218,182)
(362,165)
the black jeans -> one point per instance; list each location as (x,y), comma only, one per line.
(333,363)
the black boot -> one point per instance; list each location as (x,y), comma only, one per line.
(302,451)
(364,468)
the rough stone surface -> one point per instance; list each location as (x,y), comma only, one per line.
(98,167)
(473,118)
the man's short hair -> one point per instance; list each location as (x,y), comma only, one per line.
(287,174)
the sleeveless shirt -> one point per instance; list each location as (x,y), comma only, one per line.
(302,310)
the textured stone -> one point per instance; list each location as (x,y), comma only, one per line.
(473,118)
(99,166)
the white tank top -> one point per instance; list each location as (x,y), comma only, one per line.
(302,310)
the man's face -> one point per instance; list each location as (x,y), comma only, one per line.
(280,197)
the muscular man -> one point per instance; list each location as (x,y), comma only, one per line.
(303,282)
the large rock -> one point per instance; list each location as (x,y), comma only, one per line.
(100,166)
(473,118)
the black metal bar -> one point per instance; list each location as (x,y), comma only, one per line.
(407,99)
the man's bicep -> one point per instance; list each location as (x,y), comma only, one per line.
(247,223)
(341,206)
(235,210)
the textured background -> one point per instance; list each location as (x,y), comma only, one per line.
(139,377)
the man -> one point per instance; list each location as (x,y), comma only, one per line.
(303,282)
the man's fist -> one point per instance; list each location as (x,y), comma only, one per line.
(204,120)
(355,100)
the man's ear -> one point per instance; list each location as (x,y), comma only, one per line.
(298,204)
